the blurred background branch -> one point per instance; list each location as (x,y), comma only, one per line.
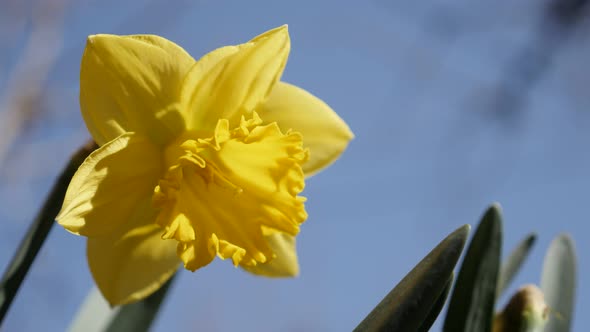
(25,84)
(528,66)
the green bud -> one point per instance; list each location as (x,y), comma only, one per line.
(525,312)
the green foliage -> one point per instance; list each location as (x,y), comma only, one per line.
(558,283)
(514,261)
(471,306)
(37,233)
(96,315)
(414,303)
(437,307)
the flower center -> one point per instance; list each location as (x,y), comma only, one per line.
(223,194)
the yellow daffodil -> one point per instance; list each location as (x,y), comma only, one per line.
(196,159)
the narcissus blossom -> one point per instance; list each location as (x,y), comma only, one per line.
(196,159)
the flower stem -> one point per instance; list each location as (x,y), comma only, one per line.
(38,231)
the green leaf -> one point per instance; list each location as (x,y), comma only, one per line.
(512,264)
(558,283)
(37,233)
(437,307)
(471,307)
(410,304)
(95,315)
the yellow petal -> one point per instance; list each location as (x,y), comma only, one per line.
(105,191)
(324,132)
(133,263)
(132,84)
(284,264)
(233,82)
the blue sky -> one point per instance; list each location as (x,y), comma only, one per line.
(416,83)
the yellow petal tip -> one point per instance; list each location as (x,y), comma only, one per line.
(281,32)
(70,227)
(348,132)
(92,39)
(284,29)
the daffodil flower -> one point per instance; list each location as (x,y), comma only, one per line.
(196,159)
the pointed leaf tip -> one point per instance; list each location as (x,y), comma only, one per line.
(471,307)
(496,206)
(462,231)
(412,303)
(513,263)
